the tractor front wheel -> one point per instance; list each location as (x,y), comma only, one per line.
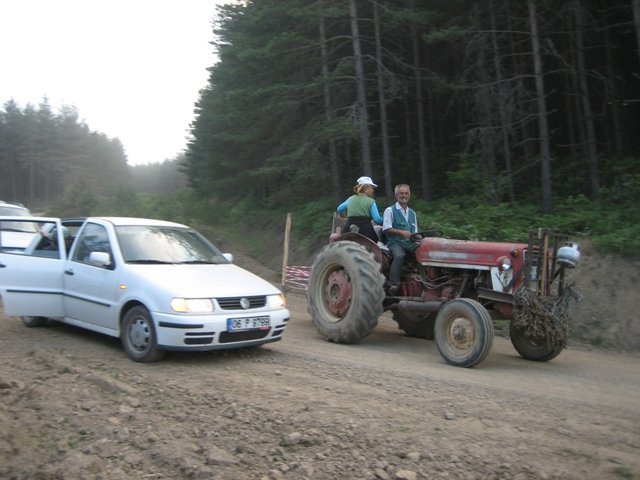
(464,332)
(532,347)
(346,291)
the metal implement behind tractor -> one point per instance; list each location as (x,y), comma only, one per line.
(450,290)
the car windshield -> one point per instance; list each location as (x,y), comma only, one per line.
(16,211)
(147,244)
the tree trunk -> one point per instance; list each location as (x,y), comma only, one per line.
(328,113)
(576,103)
(613,97)
(422,143)
(408,139)
(484,101)
(363,116)
(586,106)
(518,67)
(636,20)
(545,156)
(386,156)
(505,123)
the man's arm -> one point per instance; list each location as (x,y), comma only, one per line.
(387,219)
(387,225)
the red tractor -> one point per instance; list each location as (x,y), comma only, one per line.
(450,290)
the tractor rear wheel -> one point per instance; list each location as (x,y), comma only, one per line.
(346,290)
(415,325)
(464,332)
(532,347)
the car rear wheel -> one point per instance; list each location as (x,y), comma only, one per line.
(464,332)
(138,336)
(33,322)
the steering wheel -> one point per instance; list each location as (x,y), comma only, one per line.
(416,237)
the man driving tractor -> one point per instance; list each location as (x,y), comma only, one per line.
(399,224)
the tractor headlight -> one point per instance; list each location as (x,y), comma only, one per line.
(192,305)
(504,264)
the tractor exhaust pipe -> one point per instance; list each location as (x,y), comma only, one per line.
(414,306)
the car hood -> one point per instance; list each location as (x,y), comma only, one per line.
(203,281)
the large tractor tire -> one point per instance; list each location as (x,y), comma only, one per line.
(346,291)
(464,332)
(416,325)
(532,347)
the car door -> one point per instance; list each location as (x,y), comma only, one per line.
(91,291)
(31,279)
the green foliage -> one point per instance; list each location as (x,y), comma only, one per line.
(612,228)
(625,241)
(78,201)
(312,224)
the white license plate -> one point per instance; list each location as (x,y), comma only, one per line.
(248,323)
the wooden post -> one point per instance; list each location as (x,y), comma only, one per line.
(545,259)
(285,254)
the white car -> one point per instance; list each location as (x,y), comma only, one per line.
(16,235)
(156,285)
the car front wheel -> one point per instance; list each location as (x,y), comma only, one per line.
(531,347)
(138,336)
(464,332)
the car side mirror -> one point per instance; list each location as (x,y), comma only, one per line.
(228,256)
(100,259)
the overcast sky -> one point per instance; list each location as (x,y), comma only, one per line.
(132,68)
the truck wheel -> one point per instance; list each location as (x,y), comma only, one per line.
(33,322)
(415,325)
(138,336)
(532,347)
(464,332)
(346,290)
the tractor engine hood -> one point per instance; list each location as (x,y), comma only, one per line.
(456,253)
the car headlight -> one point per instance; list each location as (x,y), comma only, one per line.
(276,301)
(192,305)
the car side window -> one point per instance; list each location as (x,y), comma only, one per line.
(25,237)
(93,238)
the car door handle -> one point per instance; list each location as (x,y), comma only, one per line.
(68,272)
(2,265)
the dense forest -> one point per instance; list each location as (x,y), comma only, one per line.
(499,100)
(45,155)
(53,161)
(502,115)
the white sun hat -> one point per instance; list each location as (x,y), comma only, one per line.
(366,181)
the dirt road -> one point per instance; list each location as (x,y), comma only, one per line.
(74,407)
